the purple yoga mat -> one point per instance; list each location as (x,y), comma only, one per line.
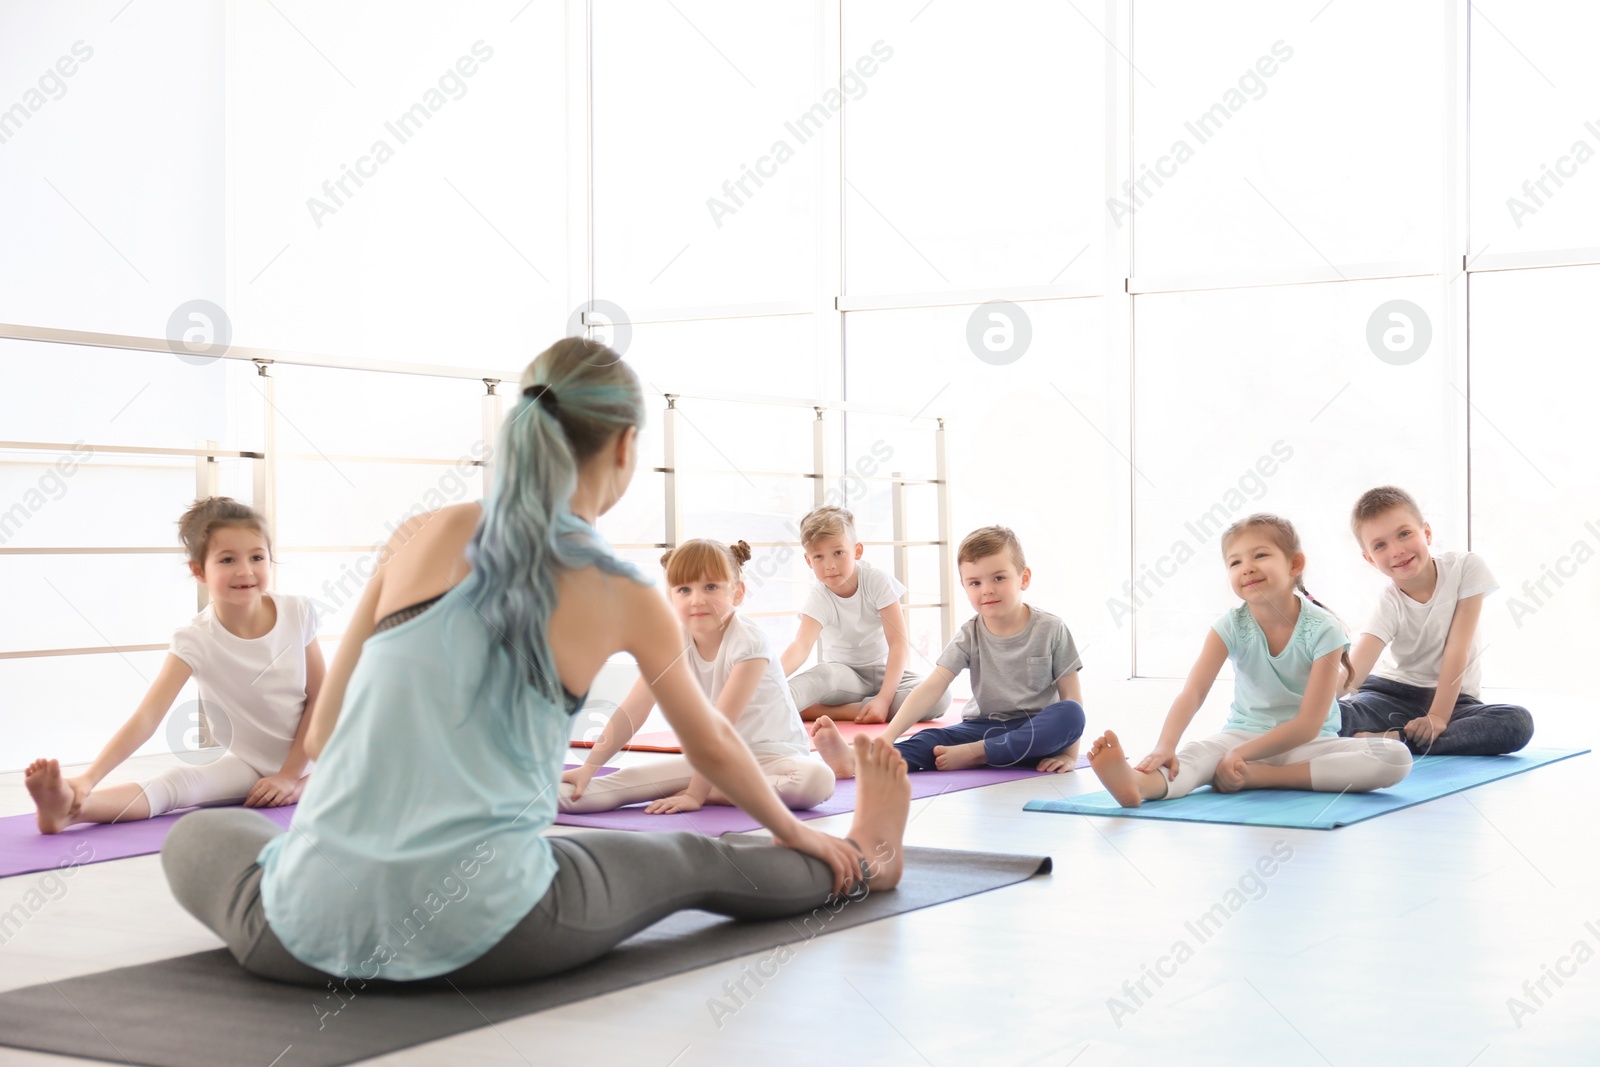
(716,820)
(23,849)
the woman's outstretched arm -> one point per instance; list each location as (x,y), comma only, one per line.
(714,749)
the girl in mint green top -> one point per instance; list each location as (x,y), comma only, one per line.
(418,851)
(1289,658)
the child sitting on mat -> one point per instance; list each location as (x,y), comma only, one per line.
(1426,629)
(1026,698)
(255,657)
(737,668)
(855,609)
(1282,733)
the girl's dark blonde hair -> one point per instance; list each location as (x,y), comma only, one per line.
(205,517)
(1283,535)
(702,558)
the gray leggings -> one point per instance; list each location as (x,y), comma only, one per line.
(608,886)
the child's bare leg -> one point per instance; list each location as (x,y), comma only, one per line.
(1130,787)
(836,712)
(834,749)
(59,807)
(1266,776)
(960,757)
(883,800)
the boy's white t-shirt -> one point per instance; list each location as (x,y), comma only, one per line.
(1414,634)
(852,629)
(770,722)
(253,691)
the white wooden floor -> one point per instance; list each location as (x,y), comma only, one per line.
(1396,941)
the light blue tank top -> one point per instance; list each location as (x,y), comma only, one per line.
(418,843)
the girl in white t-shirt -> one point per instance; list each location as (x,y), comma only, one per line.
(255,658)
(739,671)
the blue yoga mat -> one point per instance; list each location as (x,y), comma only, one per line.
(1431,777)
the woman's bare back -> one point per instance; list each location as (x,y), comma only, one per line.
(429,558)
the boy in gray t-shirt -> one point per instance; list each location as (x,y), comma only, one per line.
(1026,699)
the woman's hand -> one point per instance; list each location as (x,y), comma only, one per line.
(1229,776)
(840,856)
(672,805)
(1162,756)
(578,778)
(274,791)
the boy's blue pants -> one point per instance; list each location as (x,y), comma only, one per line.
(1006,742)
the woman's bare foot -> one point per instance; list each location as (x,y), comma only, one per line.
(55,799)
(1111,766)
(833,748)
(883,799)
(959,757)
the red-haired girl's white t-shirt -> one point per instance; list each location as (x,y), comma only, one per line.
(253,691)
(770,723)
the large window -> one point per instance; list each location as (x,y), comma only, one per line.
(1243,406)
(1271,136)
(1153,265)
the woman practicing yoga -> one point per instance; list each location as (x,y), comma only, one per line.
(418,851)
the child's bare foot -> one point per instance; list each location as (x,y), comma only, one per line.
(1396,734)
(1111,766)
(51,795)
(833,748)
(883,799)
(959,757)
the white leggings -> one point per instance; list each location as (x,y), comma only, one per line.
(801,782)
(225,780)
(1338,764)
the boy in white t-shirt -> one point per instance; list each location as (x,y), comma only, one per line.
(855,609)
(1426,629)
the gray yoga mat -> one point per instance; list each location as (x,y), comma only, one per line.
(202,1009)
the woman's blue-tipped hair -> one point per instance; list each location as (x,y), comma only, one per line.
(528,533)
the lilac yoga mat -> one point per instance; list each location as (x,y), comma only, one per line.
(24,849)
(716,820)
